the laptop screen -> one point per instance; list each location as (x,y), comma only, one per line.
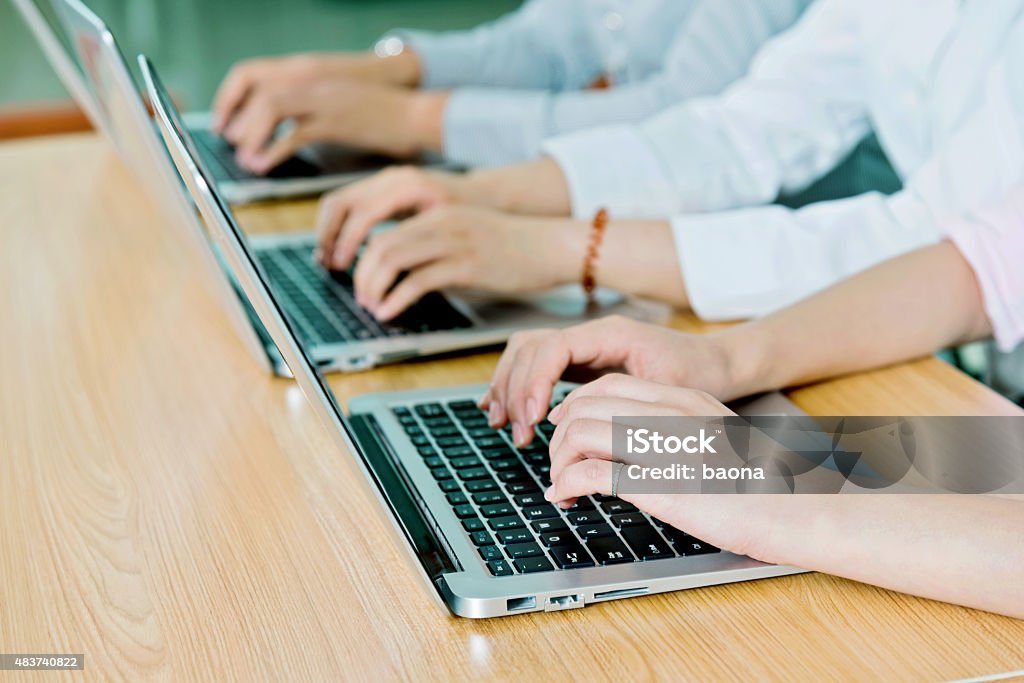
(240,259)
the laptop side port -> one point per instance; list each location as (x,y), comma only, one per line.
(520,604)
(621,593)
(563,602)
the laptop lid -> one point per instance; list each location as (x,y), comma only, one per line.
(56,45)
(353,434)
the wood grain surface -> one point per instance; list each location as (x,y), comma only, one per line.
(175,514)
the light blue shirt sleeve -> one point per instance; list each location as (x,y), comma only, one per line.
(545,44)
(700,47)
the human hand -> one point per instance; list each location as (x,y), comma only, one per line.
(534,361)
(581,464)
(460,246)
(347,214)
(367,116)
(252,76)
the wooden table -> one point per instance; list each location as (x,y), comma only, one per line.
(172,512)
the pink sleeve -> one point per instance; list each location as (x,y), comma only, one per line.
(992,241)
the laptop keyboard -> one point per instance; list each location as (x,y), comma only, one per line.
(323,306)
(218,153)
(497,491)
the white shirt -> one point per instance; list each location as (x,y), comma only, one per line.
(523,78)
(940,81)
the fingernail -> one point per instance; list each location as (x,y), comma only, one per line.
(318,255)
(556,414)
(494,415)
(484,401)
(519,434)
(533,410)
(549,495)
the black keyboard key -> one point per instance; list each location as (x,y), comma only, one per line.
(498,453)
(617,507)
(514,536)
(434,461)
(464,404)
(610,550)
(521,486)
(473,524)
(492,440)
(571,557)
(457,498)
(518,550)
(646,544)
(447,442)
(507,464)
(635,519)
(545,526)
(546,511)
(674,535)
(491,552)
(515,475)
(530,565)
(505,523)
(582,505)
(464,511)
(474,473)
(578,518)
(481,538)
(458,452)
(420,440)
(499,568)
(476,485)
(439,421)
(468,461)
(528,499)
(497,510)
(489,498)
(448,485)
(426,451)
(427,410)
(557,538)
(441,473)
(695,546)
(445,431)
(589,531)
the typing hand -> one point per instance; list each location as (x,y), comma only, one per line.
(581,463)
(347,215)
(458,246)
(534,361)
(251,77)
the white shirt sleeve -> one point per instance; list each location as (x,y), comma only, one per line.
(545,44)
(791,119)
(992,241)
(710,50)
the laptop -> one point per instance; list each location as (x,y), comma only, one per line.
(67,30)
(466,504)
(344,336)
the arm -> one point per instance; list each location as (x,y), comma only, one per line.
(709,48)
(905,308)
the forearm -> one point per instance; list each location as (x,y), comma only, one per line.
(910,306)
(635,257)
(537,187)
(934,546)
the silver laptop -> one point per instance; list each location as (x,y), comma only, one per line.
(344,336)
(464,502)
(67,31)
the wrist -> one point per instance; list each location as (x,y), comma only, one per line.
(424,119)
(401,69)
(746,361)
(568,240)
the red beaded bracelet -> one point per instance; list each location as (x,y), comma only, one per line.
(588,280)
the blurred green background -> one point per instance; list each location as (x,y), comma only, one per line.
(195,41)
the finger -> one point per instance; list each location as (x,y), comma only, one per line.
(498,392)
(331,213)
(609,409)
(391,193)
(583,478)
(388,255)
(619,386)
(429,278)
(230,95)
(279,150)
(257,124)
(580,438)
(530,381)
